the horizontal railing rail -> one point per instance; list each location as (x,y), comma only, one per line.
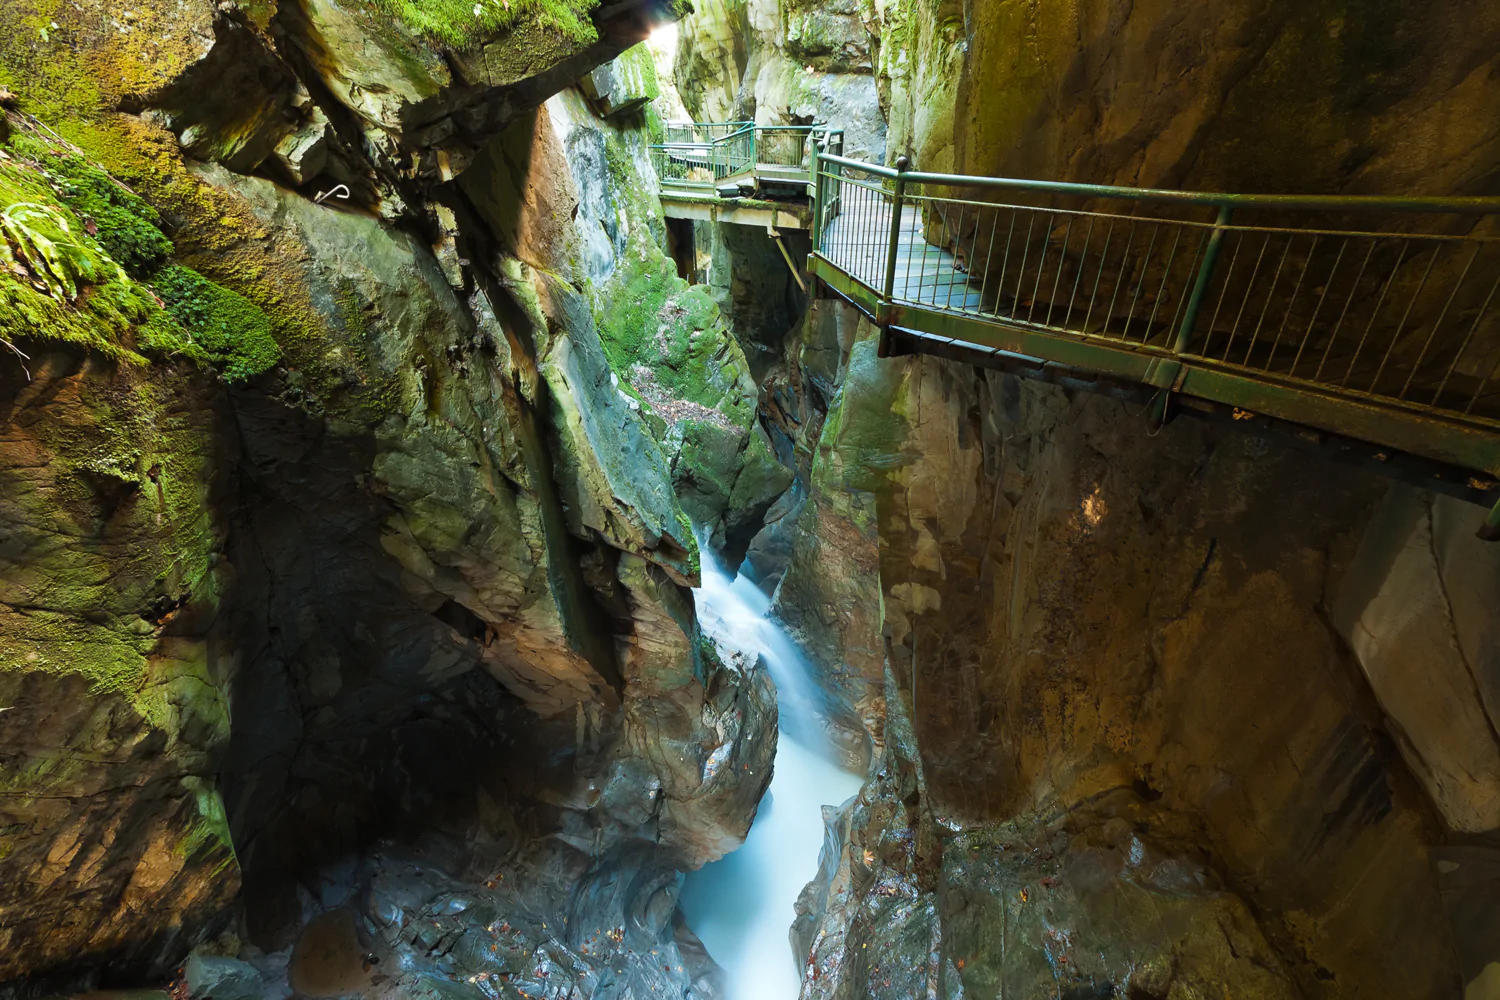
(703,154)
(1392,300)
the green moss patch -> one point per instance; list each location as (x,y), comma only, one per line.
(71,238)
(229,328)
(463,23)
(656,320)
(56,281)
(124,224)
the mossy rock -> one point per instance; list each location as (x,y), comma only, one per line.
(463,24)
(231,330)
(126,226)
(58,282)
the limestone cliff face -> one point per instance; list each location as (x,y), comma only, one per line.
(1118,697)
(1236,98)
(783,64)
(329,518)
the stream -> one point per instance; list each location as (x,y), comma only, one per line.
(742,906)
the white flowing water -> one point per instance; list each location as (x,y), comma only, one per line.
(742,906)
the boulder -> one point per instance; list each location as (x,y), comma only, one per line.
(214,977)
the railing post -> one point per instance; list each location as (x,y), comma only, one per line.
(898,197)
(815,193)
(1200,286)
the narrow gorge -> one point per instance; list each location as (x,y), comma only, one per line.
(749,500)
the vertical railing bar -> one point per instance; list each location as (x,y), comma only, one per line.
(1270,294)
(1307,334)
(1296,290)
(1088,237)
(854,246)
(1353,290)
(1478,392)
(863,249)
(918,247)
(1249,288)
(1202,275)
(958,238)
(1005,263)
(938,251)
(1400,258)
(1015,306)
(937,264)
(1185,302)
(898,190)
(1401,327)
(1140,283)
(1120,278)
(1062,259)
(907,283)
(1395,338)
(1484,384)
(1103,257)
(1441,317)
(1041,266)
(1166,275)
(1234,262)
(989,253)
(848,222)
(1465,345)
(818,191)
(930,249)
(968,260)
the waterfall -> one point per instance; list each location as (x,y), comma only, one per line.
(742,906)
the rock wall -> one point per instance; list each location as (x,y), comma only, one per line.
(783,64)
(344,528)
(1123,688)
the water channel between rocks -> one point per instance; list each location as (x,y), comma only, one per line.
(742,906)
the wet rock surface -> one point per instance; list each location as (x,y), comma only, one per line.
(423,573)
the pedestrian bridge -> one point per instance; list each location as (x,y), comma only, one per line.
(1367,325)
(740,172)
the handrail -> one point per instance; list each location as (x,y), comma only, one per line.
(1473,205)
(1390,335)
(728,149)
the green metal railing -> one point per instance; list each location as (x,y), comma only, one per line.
(1390,302)
(698,156)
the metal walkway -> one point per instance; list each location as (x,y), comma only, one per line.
(1371,319)
(740,172)
(1376,319)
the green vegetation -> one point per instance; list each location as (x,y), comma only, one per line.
(127,227)
(655,318)
(73,243)
(47,264)
(462,23)
(229,328)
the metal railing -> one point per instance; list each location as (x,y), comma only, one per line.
(701,155)
(1386,299)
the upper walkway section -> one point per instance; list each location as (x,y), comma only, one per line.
(740,172)
(1374,319)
